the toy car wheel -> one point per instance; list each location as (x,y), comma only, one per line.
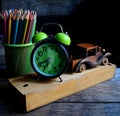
(82,68)
(105,61)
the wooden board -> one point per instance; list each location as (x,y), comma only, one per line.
(38,93)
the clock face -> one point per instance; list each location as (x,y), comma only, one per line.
(49,59)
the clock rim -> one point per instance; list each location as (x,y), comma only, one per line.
(63,49)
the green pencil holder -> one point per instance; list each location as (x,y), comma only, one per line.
(18,59)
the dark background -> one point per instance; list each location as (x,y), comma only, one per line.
(94,21)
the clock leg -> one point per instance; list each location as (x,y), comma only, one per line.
(60,78)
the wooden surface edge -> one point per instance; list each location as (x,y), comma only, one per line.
(57,90)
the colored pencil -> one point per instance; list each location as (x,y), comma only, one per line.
(25,25)
(19,34)
(34,26)
(19,25)
(9,25)
(5,18)
(30,26)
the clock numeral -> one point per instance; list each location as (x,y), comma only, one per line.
(39,64)
(44,49)
(43,64)
(40,53)
(44,67)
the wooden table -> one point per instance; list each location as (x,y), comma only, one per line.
(100,100)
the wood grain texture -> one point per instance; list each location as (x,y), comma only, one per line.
(40,93)
(99,100)
(43,7)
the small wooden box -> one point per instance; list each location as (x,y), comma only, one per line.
(36,93)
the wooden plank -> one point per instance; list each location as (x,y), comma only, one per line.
(106,92)
(39,93)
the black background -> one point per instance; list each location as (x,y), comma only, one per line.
(94,21)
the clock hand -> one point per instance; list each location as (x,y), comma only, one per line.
(46,62)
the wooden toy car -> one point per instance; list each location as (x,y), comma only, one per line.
(87,55)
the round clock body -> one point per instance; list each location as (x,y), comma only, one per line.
(49,58)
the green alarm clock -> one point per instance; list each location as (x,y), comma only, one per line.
(50,57)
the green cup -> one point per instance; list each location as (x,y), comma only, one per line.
(18,59)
